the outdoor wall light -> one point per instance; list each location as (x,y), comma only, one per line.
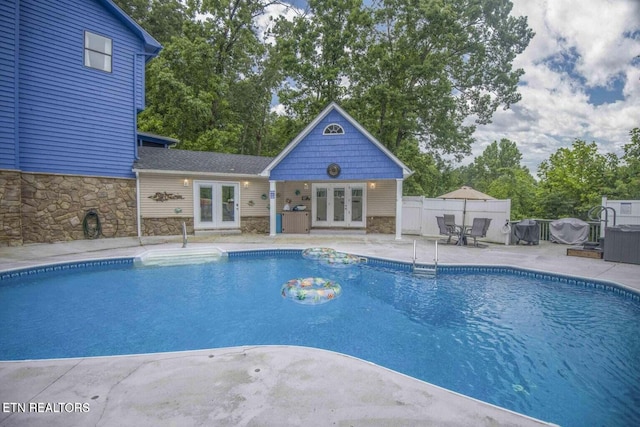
(372,185)
(306,186)
(246,184)
(185,182)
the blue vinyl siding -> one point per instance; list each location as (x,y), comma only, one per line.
(75,119)
(8,82)
(358,157)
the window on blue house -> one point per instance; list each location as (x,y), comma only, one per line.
(333,129)
(97,51)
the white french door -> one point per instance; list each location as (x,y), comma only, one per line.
(215,204)
(339,205)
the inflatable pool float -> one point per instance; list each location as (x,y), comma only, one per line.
(331,257)
(311,290)
(340,259)
(315,253)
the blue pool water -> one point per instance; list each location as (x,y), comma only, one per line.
(562,352)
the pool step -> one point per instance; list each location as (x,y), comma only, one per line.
(424,271)
(179,256)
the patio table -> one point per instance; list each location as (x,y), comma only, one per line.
(462,234)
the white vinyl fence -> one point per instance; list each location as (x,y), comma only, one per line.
(419,215)
(627,211)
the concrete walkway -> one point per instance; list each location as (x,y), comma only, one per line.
(258,386)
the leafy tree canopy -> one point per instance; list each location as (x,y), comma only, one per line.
(498,172)
(574,179)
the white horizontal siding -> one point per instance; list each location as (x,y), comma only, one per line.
(287,190)
(251,198)
(151,184)
(381,201)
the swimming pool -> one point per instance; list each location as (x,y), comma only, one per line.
(555,348)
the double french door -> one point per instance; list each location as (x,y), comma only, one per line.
(216,204)
(339,205)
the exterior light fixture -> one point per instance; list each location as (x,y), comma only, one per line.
(372,185)
(246,184)
(185,182)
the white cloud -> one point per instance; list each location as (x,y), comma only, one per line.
(265,22)
(555,108)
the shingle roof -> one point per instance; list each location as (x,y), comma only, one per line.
(161,159)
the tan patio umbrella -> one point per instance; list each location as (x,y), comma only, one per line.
(466,193)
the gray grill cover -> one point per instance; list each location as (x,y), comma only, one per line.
(570,231)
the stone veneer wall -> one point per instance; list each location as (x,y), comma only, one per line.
(255,224)
(166,226)
(10,209)
(54,206)
(381,224)
(173,226)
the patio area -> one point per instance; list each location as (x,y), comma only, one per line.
(546,256)
(270,385)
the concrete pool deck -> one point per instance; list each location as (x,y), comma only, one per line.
(259,385)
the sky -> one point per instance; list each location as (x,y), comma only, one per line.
(581,81)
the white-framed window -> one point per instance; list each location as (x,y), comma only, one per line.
(333,129)
(98,51)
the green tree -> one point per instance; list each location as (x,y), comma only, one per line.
(212,87)
(628,179)
(163,19)
(430,178)
(498,172)
(519,186)
(495,161)
(432,65)
(407,70)
(574,179)
(318,50)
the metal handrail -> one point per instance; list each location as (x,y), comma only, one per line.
(184,234)
(435,261)
(595,214)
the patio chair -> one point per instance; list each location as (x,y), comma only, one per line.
(450,221)
(478,229)
(487,221)
(445,230)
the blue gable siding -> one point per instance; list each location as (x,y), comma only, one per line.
(358,157)
(74,119)
(8,82)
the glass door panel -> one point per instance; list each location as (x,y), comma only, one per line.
(206,205)
(228,203)
(356,204)
(338,205)
(321,204)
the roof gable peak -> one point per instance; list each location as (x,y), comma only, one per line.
(333,106)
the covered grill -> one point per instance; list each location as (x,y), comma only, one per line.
(527,230)
(570,231)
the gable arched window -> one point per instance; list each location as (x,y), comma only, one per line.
(333,129)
